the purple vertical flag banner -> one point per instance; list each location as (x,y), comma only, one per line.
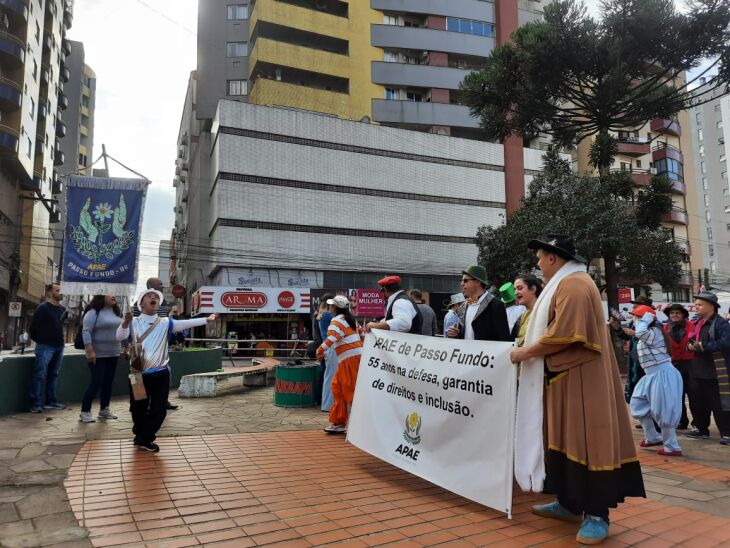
(102,235)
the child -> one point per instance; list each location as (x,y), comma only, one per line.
(658,394)
(148,414)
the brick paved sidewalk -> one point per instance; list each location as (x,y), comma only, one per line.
(37,450)
(310,489)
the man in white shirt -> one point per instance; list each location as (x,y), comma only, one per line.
(401,314)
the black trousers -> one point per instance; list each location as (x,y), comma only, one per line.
(705,398)
(683,366)
(149,414)
(601,512)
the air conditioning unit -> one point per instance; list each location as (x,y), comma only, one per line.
(652,170)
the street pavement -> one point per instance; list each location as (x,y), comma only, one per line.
(688,505)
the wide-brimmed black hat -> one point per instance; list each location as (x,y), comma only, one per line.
(709,297)
(676,306)
(560,244)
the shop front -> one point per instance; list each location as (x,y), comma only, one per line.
(251,315)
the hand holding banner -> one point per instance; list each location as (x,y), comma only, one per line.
(442,409)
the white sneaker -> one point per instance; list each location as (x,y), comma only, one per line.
(86,417)
(107,414)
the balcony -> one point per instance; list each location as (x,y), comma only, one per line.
(56,186)
(59,159)
(65,74)
(8,141)
(11,96)
(683,245)
(47,42)
(84,130)
(662,151)
(422,113)
(85,111)
(678,187)
(60,129)
(45,74)
(40,140)
(42,110)
(16,10)
(66,46)
(12,50)
(422,76)
(35,184)
(452,8)
(676,216)
(634,147)
(640,177)
(396,37)
(68,15)
(666,126)
(62,101)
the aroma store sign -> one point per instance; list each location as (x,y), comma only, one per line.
(263,300)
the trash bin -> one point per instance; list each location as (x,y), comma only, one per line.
(295,385)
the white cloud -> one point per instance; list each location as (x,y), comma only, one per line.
(142,61)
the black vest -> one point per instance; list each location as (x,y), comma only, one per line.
(417,322)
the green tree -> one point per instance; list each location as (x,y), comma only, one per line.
(605,216)
(572,77)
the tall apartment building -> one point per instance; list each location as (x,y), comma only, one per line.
(711,139)
(79,94)
(662,147)
(33,70)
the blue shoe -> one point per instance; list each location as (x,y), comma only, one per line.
(54,405)
(594,530)
(555,510)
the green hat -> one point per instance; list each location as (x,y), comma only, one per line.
(507,293)
(477,272)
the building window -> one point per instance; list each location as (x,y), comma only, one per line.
(237,87)
(390,19)
(719,123)
(390,57)
(32,108)
(717,107)
(469,26)
(708,216)
(702,150)
(698,117)
(638,163)
(672,169)
(705,184)
(414,96)
(237,12)
(236,49)
(703,166)
(37,33)
(709,233)
(700,135)
(707,200)
(722,157)
(82,160)
(391,93)
(713,266)
(29,145)
(711,250)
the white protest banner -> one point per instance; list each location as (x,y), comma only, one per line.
(442,409)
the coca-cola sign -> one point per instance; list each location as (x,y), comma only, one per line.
(244,300)
(286,299)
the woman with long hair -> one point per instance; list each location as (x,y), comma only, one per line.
(527,289)
(346,336)
(101,319)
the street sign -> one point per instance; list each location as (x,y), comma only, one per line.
(14,309)
(625,295)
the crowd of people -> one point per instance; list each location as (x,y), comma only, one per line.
(573,435)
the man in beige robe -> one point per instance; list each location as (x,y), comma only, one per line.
(590,456)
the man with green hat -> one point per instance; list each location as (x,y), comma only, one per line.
(481,317)
(508,298)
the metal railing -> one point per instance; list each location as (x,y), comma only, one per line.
(258,348)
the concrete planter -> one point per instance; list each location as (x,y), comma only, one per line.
(16,374)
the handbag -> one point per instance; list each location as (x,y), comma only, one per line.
(135,351)
(79,338)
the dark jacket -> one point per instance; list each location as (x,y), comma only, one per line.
(714,336)
(429,320)
(46,327)
(490,322)
(417,322)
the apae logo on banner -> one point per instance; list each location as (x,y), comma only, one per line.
(101,242)
(442,409)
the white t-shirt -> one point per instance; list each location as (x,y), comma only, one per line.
(471,312)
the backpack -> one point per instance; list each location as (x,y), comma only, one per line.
(79,338)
